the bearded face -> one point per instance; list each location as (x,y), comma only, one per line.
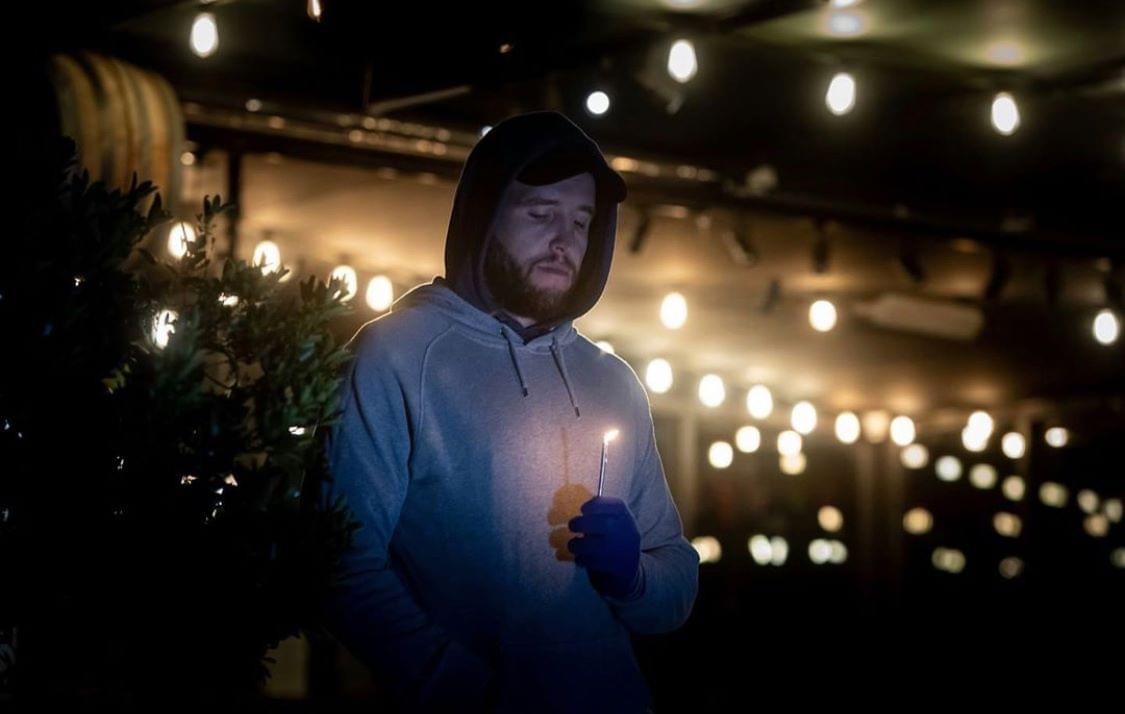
(539,238)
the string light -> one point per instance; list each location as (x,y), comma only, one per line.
(682,64)
(1005,113)
(347,274)
(673,311)
(597,103)
(380,293)
(658,375)
(759,401)
(711,390)
(204,35)
(840,96)
(1106,327)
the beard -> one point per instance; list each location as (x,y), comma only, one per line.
(511,285)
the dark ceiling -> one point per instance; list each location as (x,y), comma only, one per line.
(919,135)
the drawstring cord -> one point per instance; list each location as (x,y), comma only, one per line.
(559,362)
(562,370)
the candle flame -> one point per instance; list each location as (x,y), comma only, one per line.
(610,435)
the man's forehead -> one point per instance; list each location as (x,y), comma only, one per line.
(553,195)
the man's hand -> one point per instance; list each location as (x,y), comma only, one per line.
(610,547)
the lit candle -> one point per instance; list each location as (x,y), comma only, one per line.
(609,436)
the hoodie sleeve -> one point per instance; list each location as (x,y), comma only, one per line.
(669,579)
(370,609)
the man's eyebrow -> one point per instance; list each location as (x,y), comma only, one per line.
(542,201)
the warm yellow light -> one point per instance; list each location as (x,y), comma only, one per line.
(1005,113)
(747,439)
(875,424)
(605,346)
(597,103)
(847,427)
(1013,488)
(163,325)
(204,35)
(380,293)
(267,256)
(708,549)
(982,475)
(711,390)
(351,281)
(759,401)
(1057,436)
(658,375)
(840,96)
(792,464)
(902,430)
(830,518)
(1013,444)
(673,311)
(1106,327)
(682,64)
(1053,494)
(948,468)
(914,456)
(917,521)
(610,435)
(822,315)
(803,417)
(721,455)
(180,238)
(788,443)
(1007,524)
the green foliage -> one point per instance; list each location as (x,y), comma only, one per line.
(160,496)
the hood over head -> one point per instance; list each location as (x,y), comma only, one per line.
(500,156)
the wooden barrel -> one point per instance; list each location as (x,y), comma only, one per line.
(123,118)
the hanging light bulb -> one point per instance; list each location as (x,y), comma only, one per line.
(314,10)
(1005,113)
(380,293)
(902,430)
(1013,444)
(840,97)
(711,390)
(747,439)
(180,238)
(788,443)
(658,375)
(673,311)
(721,455)
(822,315)
(803,417)
(847,427)
(759,401)
(681,61)
(597,103)
(267,256)
(204,35)
(1106,327)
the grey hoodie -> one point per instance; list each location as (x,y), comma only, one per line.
(464,451)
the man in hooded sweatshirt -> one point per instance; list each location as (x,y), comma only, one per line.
(487,574)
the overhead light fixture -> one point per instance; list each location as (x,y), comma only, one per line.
(640,233)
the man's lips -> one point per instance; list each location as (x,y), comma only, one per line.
(554,268)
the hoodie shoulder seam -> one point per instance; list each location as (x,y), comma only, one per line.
(422,373)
